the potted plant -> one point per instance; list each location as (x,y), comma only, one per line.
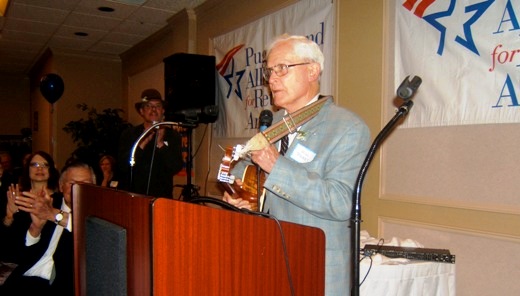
(97,135)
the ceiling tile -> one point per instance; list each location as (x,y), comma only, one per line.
(173,6)
(133,2)
(59,4)
(109,48)
(141,29)
(24,36)
(70,43)
(69,32)
(122,38)
(91,22)
(31,26)
(36,13)
(151,16)
(17,45)
(17,56)
(121,11)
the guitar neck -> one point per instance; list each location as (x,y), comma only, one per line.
(292,121)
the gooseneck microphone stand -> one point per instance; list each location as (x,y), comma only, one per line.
(405,91)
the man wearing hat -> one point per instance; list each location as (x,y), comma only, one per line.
(158,156)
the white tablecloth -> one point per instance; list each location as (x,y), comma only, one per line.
(407,278)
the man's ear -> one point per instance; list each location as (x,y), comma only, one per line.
(314,71)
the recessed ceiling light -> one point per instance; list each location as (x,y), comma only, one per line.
(81,34)
(105,9)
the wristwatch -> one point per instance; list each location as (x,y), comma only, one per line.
(58,217)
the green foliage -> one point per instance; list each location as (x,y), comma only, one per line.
(96,135)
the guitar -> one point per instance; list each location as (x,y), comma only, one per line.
(249,188)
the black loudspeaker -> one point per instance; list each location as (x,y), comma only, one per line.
(105,258)
(190,88)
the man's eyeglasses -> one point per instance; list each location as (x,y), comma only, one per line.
(151,106)
(280,70)
(39,165)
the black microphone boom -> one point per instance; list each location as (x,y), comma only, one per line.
(208,110)
(405,91)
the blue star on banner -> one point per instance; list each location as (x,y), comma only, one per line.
(234,77)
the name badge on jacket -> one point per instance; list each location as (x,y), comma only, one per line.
(302,154)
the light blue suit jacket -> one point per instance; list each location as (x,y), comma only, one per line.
(314,183)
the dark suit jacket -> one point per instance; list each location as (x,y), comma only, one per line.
(26,257)
(167,161)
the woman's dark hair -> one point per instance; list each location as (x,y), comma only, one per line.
(54,174)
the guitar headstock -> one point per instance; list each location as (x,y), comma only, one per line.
(231,155)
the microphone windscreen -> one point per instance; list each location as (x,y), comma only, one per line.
(266,118)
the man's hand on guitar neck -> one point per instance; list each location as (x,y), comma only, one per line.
(237,202)
(265,158)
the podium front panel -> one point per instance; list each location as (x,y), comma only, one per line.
(199,250)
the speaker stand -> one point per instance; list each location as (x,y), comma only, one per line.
(189,191)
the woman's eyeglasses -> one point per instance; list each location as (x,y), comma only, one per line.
(39,165)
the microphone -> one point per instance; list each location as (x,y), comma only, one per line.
(265,119)
(408,88)
(211,110)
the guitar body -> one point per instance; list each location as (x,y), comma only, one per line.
(249,188)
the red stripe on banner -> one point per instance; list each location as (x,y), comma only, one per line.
(222,66)
(419,11)
(409,4)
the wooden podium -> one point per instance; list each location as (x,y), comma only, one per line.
(178,248)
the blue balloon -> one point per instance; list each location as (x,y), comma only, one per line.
(51,87)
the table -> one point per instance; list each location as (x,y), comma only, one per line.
(404,277)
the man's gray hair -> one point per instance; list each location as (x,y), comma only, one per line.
(307,49)
(80,165)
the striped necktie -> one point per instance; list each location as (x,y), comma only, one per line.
(284,144)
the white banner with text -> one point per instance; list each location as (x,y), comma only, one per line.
(240,53)
(467,53)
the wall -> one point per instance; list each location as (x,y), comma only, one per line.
(176,37)
(41,112)
(93,81)
(360,79)
(15,115)
(15,100)
(422,182)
